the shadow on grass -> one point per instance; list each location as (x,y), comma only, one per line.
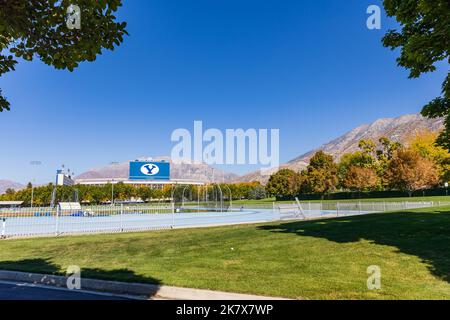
(425,235)
(47,267)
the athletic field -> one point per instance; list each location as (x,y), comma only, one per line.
(317,259)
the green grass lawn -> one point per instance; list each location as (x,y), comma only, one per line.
(322,259)
(401,199)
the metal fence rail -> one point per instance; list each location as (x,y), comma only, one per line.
(311,210)
(22,222)
(26,222)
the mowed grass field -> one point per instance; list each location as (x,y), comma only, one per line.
(322,259)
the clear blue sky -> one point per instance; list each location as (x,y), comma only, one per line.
(310,68)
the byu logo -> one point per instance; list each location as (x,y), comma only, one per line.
(150,169)
(374,279)
(73,17)
(74,279)
(374,20)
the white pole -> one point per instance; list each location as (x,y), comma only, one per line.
(173,214)
(32,195)
(112,192)
(273,211)
(3,228)
(57,220)
(33,163)
(121,217)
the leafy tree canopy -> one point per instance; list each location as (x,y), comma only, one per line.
(321,174)
(284,183)
(424,40)
(409,171)
(37,29)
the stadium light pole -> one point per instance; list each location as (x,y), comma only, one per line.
(112,192)
(112,184)
(33,163)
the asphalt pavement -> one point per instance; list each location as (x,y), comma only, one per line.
(25,291)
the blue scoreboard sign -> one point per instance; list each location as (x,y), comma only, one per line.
(149,170)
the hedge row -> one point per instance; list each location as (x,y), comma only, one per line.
(371,194)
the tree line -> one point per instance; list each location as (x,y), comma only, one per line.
(42,195)
(384,165)
(375,166)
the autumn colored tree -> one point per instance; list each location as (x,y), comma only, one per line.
(321,174)
(409,171)
(360,179)
(424,142)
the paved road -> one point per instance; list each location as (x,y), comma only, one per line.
(21,291)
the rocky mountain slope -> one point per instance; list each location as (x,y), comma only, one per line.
(6,184)
(396,129)
(199,172)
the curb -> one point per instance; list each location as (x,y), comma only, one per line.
(133,289)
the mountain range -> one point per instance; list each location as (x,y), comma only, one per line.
(7,184)
(396,129)
(198,172)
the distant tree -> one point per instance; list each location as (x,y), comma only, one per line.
(355,159)
(367,146)
(424,142)
(424,40)
(360,179)
(409,171)
(385,153)
(145,193)
(38,28)
(388,147)
(284,183)
(321,174)
(257,193)
(10,192)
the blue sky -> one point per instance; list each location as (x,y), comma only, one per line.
(310,68)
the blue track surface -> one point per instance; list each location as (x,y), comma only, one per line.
(30,226)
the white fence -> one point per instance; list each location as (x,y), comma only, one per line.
(19,222)
(311,210)
(26,222)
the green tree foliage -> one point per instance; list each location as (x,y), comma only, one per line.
(257,193)
(321,174)
(284,183)
(370,156)
(37,29)
(125,192)
(424,40)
